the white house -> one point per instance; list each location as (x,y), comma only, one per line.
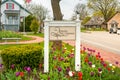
(12,13)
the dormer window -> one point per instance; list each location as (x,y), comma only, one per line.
(9,6)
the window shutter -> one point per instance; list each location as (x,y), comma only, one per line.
(12,6)
(6,5)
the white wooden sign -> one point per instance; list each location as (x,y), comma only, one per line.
(62,30)
(62,33)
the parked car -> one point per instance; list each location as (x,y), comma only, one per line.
(118,31)
(113,30)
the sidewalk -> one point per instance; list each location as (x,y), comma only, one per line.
(106,55)
(36,39)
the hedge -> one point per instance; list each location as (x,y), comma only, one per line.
(22,56)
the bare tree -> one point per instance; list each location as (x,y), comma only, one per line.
(38,11)
(106,7)
(82,10)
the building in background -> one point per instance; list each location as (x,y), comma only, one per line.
(114,22)
(95,22)
(12,13)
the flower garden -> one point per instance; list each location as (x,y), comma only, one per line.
(26,63)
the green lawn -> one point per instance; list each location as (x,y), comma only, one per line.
(41,44)
(38,34)
(10,45)
(23,38)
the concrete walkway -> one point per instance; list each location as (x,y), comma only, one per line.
(107,56)
(36,39)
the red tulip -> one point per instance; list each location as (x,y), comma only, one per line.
(108,69)
(105,65)
(40,66)
(21,74)
(80,75)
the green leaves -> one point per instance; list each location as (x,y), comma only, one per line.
(22,56)
(34,26)
(9,34)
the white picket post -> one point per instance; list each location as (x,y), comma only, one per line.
(77,46)
(46,47)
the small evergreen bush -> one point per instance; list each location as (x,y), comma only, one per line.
(22,56)
(34,26)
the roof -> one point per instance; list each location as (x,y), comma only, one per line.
(95,21)
(114,15)
(114,22)
(17,4)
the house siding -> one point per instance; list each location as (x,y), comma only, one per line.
(16,11)
(116,18)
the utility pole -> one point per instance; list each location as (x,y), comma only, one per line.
(0,17)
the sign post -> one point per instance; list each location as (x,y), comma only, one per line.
(62,30)
(46,46)
(77,46)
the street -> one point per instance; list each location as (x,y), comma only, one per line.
(102,40)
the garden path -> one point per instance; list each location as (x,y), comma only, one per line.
(36,39)
(107,56)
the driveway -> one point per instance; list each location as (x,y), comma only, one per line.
(102,40)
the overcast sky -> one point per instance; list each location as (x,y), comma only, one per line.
(67,6)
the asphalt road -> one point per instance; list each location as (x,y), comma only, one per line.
(103,40)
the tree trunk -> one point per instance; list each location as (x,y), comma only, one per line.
(57,16)
(56,9)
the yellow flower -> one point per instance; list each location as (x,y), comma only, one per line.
(82,54)
(113,67)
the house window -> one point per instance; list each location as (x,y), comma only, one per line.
(9,6)
(10,20)
(15,18)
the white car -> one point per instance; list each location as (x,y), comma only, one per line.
(118,31)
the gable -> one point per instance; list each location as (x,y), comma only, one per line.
(16,3)
(95,20)
(116,18)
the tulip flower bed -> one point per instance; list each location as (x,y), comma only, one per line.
(61,67)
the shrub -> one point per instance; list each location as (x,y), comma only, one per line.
(9,34)
(28,21)
(34,26)
(22,56)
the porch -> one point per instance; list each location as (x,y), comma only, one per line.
(12,20)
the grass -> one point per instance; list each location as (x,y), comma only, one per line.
(41,44)
(23,38)
(10,34)
(10,45)
(38,34)
(91,29)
